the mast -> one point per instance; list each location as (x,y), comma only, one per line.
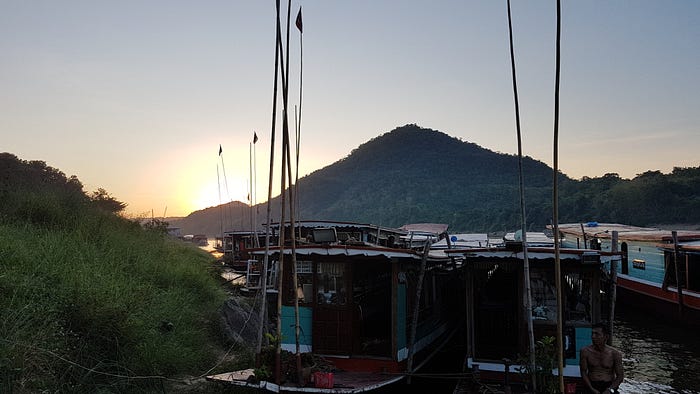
(285,159)
(292,217)
(297,122)
(250,187)
(263,278)
(526,262)
(555,207)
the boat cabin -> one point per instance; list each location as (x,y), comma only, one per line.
(495,309)
(357,289)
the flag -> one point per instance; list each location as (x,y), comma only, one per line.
(220,150)
(300,25)
(255,137)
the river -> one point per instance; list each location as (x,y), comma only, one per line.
(658,356)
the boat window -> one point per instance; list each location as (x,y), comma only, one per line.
(544,296)
(305,282)
(577,296)
(330,282)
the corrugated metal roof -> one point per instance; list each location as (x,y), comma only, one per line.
(625,232)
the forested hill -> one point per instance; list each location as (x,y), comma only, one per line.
(413,174)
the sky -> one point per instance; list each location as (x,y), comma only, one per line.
(137,96)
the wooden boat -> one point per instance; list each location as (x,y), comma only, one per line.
(357,291)
(646,277)
(236,245)
(496,322)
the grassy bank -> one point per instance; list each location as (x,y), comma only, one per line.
(92,302)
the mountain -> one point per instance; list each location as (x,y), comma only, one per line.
(413,174)
(408,175)
(210,221)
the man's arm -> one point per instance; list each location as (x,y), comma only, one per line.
(619,372)
(583,367)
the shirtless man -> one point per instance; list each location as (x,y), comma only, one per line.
(601,365)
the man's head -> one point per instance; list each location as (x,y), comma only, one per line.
(599,334)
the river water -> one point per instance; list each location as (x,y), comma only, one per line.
(658,356)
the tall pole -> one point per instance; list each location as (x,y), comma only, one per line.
(555,205)
(300,26)
(250,187)
(254,194)
(285,158)
(613,284)
(263,277)
(221,209)
(292,223)
(526,263)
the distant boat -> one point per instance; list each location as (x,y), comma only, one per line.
(357,291)
(236,245)
(646,277)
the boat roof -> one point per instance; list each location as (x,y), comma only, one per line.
(351,251)
(433,228)
(535,253)
(463,240)
(693,247)
(338,225)
(533,238)
(625,232)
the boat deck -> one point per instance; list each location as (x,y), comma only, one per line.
(343,382)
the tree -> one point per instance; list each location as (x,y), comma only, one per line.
(102,200)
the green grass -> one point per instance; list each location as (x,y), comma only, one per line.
(91,302)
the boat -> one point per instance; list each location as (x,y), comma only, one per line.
(236,245)
(496,325)
(358,301)
(646,279)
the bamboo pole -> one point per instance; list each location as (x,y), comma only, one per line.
(416,308)
(613,285)
(527,304)
(263,277)
(555,205)
(283,184)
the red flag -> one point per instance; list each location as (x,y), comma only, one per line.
(300,25)
(255,137)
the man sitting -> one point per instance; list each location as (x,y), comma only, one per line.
(601,365)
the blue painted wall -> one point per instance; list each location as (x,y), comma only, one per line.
(288,323)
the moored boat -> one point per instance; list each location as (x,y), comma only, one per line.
(496,334)
(372,305)
(646,277)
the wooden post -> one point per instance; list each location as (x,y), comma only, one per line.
(583,235)
(416,309)
(613,285)
(674,234)
(625,260)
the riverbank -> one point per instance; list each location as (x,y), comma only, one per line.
(94,302)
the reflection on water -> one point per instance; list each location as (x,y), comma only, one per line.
(658,356)
(235,277)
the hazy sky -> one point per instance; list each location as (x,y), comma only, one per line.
(136,96)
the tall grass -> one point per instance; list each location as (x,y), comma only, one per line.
(91,302)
